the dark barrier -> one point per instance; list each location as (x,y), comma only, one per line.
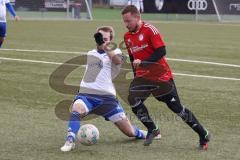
(166,6)
(228,6)
(29,4)
(57,5)
(190,6)
(178,6)
(50,5)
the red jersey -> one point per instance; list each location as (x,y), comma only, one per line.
(141,45)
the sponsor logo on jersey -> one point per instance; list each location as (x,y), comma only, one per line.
(138,48)
(140,37)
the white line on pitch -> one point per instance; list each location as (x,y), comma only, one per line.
(58,63)
(204,76)
(36,61)
(84,53)
(43,51)
(204,62)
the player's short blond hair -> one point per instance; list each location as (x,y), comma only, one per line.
(107,29)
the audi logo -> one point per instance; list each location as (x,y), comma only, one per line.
(197,5)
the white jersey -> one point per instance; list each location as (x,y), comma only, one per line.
(99,73)
(3,10)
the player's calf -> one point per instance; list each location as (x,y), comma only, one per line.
(128,129)
(1,41)
(78,111)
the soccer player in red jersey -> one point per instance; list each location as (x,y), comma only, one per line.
(152,75)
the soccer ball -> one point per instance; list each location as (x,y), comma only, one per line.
(88,134)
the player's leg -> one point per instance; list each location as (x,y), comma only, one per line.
(138,93)
(173,102)
(128,129)
(79,109)
(117,115)
(2,32)
(1,41)
(119,118)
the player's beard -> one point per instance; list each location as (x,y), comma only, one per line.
(135,29)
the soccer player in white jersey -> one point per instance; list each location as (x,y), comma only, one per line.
(138,4)
(3,22)
(97,94)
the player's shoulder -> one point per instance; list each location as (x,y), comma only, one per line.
(127,34)
(150,28)
(94,51)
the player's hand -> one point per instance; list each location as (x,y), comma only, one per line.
(136,63)
(108,46)
(17,18)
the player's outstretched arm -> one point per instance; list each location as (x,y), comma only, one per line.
(12,11)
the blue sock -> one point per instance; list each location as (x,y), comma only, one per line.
(1,44)
(138,134)
(73,126)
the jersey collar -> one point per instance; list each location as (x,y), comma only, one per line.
(100,51)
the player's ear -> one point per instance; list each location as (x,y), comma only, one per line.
(138,17)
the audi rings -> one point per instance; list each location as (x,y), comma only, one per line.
(197,5)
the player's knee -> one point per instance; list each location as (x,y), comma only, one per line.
(130,99)
(133,101)
(80,107)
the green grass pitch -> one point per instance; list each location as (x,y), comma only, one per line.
(30,129)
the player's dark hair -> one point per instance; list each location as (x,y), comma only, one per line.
(107,29)
(131,9)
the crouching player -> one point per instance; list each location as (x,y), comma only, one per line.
(97,94)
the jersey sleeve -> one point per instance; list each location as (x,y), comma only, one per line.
(155,37)
(10,9)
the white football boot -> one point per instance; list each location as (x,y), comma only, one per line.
(68,146)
